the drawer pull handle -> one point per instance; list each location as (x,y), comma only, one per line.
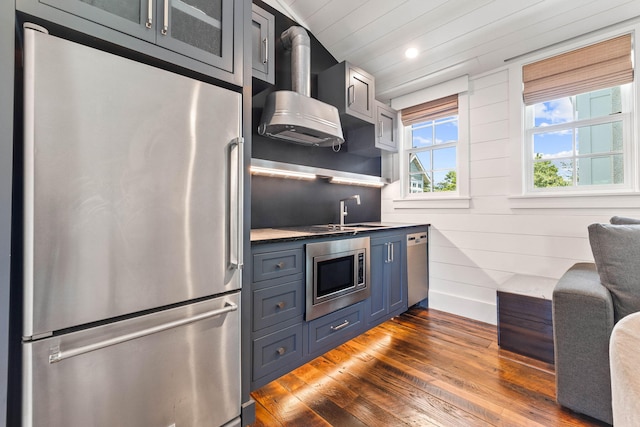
(280,265)
(340,326)
(280,305)
(281,351)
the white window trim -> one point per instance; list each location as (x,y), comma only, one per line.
(458,199)
(520,197)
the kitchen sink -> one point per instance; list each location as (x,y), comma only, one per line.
(333,228)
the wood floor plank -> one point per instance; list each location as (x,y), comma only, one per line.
(423,368)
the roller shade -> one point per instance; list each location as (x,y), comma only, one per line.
(598,66)
(438,108)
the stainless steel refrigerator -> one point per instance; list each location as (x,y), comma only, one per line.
(132,242)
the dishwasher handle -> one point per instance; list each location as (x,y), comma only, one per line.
(417,239)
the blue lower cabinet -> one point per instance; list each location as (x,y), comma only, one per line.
(277,353)
(277,304)
(281,339)
(334,329)
(388,279)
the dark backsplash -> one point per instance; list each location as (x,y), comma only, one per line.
(277,202)
(289,202)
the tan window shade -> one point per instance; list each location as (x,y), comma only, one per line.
(431,110)
(590,68)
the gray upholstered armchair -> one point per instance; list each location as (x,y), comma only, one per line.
(587,302)
(582,325)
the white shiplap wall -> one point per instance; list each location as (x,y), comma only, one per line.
(474,251)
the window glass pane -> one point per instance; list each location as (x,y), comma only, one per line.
(446,132)
(553,112)
(432,167)
(420,162)
(444,158)
(551,145)
(422,136)
(552,173)
(444,180)
(601,170)
(602,138)
(579,140)
(599,103)
(419,183)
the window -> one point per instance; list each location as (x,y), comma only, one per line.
(431,154)
(579,141)
(577,132)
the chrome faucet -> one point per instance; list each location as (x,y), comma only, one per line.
(343,208)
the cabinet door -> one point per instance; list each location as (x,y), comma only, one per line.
(200,29)
(396,277)
(386,128)
(360,93)
(134,17)
(262,43)
(377,303)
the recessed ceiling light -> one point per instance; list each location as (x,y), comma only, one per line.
(412,52)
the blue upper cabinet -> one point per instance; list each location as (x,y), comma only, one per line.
(202,35)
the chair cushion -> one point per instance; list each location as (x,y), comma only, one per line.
(616,250)
(623,220)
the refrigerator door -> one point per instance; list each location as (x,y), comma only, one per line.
(171,374)
(132,182)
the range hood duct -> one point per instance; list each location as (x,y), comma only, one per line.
(293,115)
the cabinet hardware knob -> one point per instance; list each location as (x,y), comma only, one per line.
(280,305)
(281,350)
(280,265)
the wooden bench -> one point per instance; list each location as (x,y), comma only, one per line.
(525,324)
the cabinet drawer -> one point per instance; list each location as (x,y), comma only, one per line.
(333,329)
(270,265)
(276,304)
(275,351)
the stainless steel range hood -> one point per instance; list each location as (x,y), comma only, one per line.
(293,115)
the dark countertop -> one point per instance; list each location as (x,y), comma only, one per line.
(287,234)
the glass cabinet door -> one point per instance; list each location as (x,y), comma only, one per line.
(200,29)
(134,17)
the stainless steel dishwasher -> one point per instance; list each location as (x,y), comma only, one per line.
(417,267)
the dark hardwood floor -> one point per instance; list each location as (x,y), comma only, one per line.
(423,368)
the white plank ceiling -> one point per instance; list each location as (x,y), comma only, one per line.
(453,37)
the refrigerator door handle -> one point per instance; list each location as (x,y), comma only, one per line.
(57,355)
(236,234)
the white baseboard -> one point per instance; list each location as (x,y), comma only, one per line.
(457,304)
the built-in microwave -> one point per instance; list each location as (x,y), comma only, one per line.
(337,275)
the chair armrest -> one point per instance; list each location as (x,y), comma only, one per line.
(582,324)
